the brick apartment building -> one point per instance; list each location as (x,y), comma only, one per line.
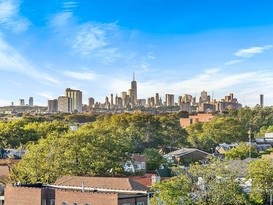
(70,190)
(200,117)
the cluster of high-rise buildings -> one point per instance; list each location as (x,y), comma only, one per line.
(72,102)
(22,102)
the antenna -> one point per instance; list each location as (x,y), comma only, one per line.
(134,76)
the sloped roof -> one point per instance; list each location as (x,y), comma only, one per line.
(146,180)
(121,183)
(185,151)
(4,171)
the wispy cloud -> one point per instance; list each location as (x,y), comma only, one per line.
(151,55)
(11,60)
(47,95)
(234,62)
(10,17)
(60,19)
(81,75)
(69,6)
(95,40)
(14,82)
(249,52)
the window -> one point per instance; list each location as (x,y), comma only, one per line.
(87,204)
(43,201)
(75,203)
(126,204)
(140,203)
(143,165)
(64,203)
(52,201)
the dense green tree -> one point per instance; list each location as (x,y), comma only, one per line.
(173,192)
(210,184)
(207,135)
(154,158)
(260,172)
(241,152)
(88,151)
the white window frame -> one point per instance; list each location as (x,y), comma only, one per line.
(52,201)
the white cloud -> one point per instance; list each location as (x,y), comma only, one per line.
(47,95)
(249,52)
(96,41)
(81,75)
(69,6)
(234,62)
(11,60)
(151,55)
(212,70)
(89,38)
(10,17)
(61,19)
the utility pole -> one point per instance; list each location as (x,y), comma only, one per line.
(249,137)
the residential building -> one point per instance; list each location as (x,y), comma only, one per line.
(185,156)
(169,100)
(91,102)
(200,117)
(81,191)
(52,106)
(21,102)
(63,104)
(30,102)
(75,100)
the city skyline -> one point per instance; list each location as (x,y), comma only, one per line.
(175,47)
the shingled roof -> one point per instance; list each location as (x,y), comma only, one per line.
(122,183)
(4,171)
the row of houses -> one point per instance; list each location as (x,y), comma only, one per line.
(77,190)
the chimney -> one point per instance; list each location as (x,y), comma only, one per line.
(155,179)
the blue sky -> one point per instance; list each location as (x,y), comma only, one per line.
(174,46)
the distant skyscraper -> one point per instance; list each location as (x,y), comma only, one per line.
(111,100)
(262,100)
(204,96)
(169,100)
(21,102)
(107,102)
(30,102)
(63,104)
(123,97)
(134,88)
(52,105)
(157,99)
(91,102)
(75,99)
(116,100)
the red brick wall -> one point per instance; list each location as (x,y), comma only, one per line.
(22,196)
(86,197)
